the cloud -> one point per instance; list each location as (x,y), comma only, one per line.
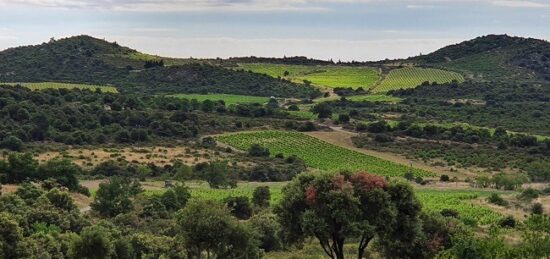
(258,5)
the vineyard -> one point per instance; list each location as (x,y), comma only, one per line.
(317,153)
(412,77)
(227,98)
(52,85)
(324,76)
(435,201)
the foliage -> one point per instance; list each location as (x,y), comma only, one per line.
(54,85)
(218,176)
(113,197)
(239,207)
(207,227)
(228,99)
(336,207)
(261,196)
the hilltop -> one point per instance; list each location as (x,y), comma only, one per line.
(84,59)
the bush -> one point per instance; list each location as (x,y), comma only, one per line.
(537,209)
(293,107)
(261,196)
(239,207)
(12,143)
(507,222)
(444,178)
(529,194)
(409,176)
(496,199)
(449,213)
(258,151)
(383,138)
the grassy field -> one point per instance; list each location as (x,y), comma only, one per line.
(227,98)
(53,85)
(324,76)
(411,77)
(436,200)
(317,153)
(363,98)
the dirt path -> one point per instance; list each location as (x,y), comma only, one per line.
(342,138)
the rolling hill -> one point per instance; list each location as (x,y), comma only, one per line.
(494,57)
(84,59)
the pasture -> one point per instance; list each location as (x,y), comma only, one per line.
(228,99)
(323,76)
(411,77)
(54,85)
(317,153)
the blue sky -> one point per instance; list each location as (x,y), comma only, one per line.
(337,29)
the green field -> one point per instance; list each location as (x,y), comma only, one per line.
(436,200)
(411,77)
(227,98)
(432,200)
(317,153)
(363,98)
(324,76)
(52,85)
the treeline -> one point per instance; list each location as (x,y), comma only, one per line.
(80,117)
(84,59)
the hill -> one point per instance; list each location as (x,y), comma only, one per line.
(494,57)
(84,59)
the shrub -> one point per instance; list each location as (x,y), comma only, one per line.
(496,199)
(258,151)
(507,222)
(449,213)
(444,178)
(529,194)
(261,196)
(537,209)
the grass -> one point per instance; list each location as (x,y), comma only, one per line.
(323,76)
(317,153)
(411,77)
(227,98)
(363,98)
(54,85)
(437,200)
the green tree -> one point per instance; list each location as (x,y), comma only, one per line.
(217,175)
(206,227)
(322,110)
(10,236)
(12,143)
(261,196)
(21,167)
(239,207)
(267,228)
(337,207)
(113,197)
(257,150)
(63,171)
(93,243)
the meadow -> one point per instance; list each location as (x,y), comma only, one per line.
(316,153)
(54,85)
(363,98)
(411,77)
(432,200)
(323,76)
(227,98)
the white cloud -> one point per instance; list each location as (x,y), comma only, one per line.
(258,5)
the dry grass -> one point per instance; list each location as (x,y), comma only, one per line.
(159,155)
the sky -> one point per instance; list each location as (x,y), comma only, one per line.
(361,30)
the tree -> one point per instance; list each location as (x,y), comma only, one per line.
(113,197)
(261,196)
(10,236)
(21,167)
(257,150)
(12,143)
(322,110)
(93,243)
(217,175)
(175,198)
(206,227)
(336,207)
(343,118)
(63,171)
(239,207)
(267,227)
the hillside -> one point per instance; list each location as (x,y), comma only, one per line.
(84,59)
(494,57)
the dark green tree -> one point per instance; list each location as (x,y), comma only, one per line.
(261,196)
